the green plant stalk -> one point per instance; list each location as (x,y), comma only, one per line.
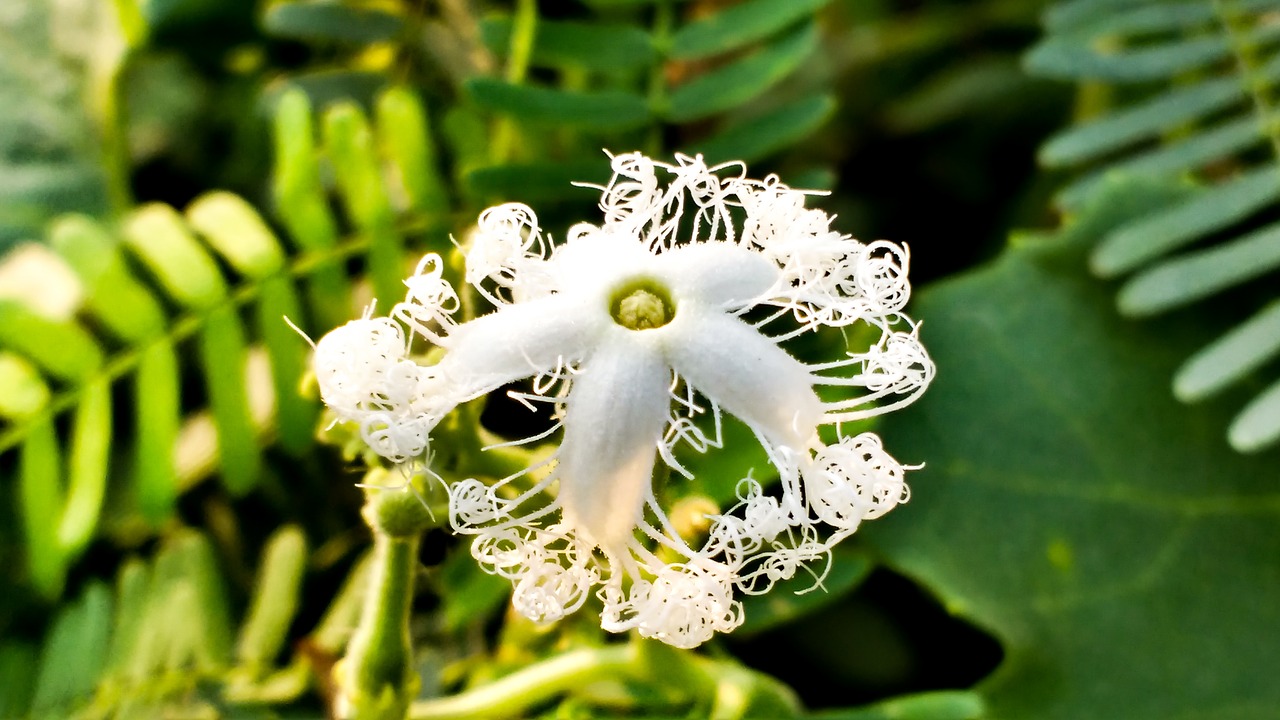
(728,689)
(377,673)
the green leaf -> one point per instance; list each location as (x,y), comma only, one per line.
(598,47)
(802,594)
(157,233)
(766,134)
(90,455)
(222,360)
(358,173)
(406,145)
(304,209)
(742,80)
(1120,552)
(600,111)
(233,228)
(1140,121)
(113,294)
(23,392)
(1206,211)
(1231,357)
(1258,424)
(1076,57)
(59,347)
(133,587)
(324,20)
(212,648)
(738,26)
(1187,278)
(74,653)
(1169,160)
(40,498)
(156,392)
(289,357)
(275,599)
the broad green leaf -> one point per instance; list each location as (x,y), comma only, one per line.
(938,705)
(61,348)
(1168,160)
(74,653)
(764,135)
(113,294)
(1196,275)
(164,243)
(1163,230)
(233,228)
(23,392)
(358,174)
(1231,357)
(1155,18)
(304,209)
(40,500)
(803,594)
(738,26)
(1122,554)
(222,360)
(598,47)
(600,111)
(87,467)
(324,20)
(275,599)
(742,80)
(1258,424)
(156,391)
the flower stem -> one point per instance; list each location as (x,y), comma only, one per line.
(376,677)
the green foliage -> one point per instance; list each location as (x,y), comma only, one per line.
(1123,555)
(251,371)
(163,642)
(1206,113)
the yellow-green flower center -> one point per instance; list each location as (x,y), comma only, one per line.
(642,304)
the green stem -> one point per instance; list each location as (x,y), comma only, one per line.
(538,683)
(377,673)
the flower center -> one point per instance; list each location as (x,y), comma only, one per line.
(642,304)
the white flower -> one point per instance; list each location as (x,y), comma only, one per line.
(634,329)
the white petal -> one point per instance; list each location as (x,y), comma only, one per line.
(614,418)
(593,260)
(519,340)
(721,275)
(746,374)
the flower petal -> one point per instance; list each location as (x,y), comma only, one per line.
(614,418)
(519,340)
(746,374)
(720,275)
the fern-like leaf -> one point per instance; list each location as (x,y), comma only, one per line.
(215,275)
(1195,81)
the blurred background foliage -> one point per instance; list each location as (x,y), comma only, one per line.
(177,175)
